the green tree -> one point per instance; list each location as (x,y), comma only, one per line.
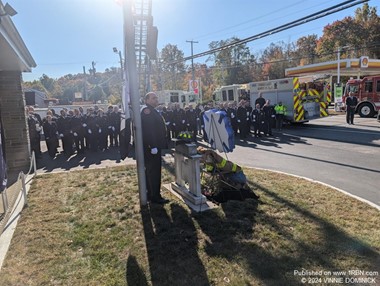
(97,94)
(36,84)
(339,34)
(275,59)
(368,19)
(231,65)
(306,50)
(170,68)
(47,82)
(360,34)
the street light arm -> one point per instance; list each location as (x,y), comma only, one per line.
(8,11)
(116,51)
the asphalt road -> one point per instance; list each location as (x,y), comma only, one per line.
(327,150)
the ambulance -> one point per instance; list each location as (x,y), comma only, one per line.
(234,92)
(305,98)
(184,98)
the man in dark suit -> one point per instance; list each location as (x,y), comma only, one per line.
(260,100)
(242,115)
(351,102)
(269,116)
(257,118)
(154,140)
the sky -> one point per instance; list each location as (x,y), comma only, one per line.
(63,36)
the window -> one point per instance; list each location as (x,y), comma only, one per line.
(368,86)
(353,88)
(230,95)
(183,98)
(224,95)
(378,86)
(174,98)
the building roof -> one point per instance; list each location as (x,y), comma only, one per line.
(36,92)
(348,67)
(14,55)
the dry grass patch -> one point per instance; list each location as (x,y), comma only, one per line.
(87,228)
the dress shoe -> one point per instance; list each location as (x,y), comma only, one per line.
(160,201)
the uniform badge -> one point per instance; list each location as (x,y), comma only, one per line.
(147,111)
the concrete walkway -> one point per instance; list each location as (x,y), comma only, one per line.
(11,224)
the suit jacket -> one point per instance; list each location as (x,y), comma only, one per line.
(153,128)
(351,102)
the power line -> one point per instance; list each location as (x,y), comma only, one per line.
(301,21)
(248,21)
(282,9)
(373,45)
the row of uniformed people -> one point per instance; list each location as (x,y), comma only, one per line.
(190,119)
(242,116)
(179,119)
(262,118)
(78,130)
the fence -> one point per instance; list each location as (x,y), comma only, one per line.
(15,194)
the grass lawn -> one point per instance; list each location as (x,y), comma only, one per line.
(87,228)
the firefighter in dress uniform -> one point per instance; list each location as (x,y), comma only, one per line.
(102,123)
(202,119)
(269,117)
(35,127)
(154,140)
(51,133)
(191,121)
(231,113)
(64,129)
(243,119)
(92,130)
(260,100)
(178,122)
(167,115)
(77,131)
(116,121)
(110,127)
(257,118)
(198,110)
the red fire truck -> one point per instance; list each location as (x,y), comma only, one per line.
(367,90)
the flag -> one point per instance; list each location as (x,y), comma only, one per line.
(125,124)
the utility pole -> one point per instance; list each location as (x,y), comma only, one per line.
(116,51)
(338,67)
(84,84)
(93,70)
(121,63)
(192,60)
(338,63)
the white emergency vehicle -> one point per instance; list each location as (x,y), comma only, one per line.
(182,97)
(304,98)
(234,92)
